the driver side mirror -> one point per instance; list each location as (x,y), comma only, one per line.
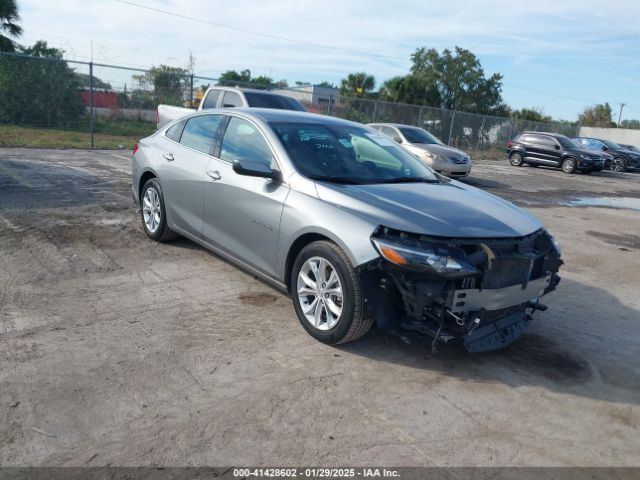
(605,148)
(251,168)
(557,147)
(397,139)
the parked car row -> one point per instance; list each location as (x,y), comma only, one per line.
(620,158)
(581,154)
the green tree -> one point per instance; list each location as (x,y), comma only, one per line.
(456,81)
(357,84)
(597,116)
(169,83)
(9,18)
(531,114)
(37,92)
(632,123)
(231,78)
(414,89)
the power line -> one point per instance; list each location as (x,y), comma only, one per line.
(261,34)
(564,97)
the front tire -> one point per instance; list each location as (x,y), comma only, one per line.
(327,294)
(618,165)
(516,159)
(569,165)
(153,212)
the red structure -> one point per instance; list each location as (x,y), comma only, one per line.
(101,98)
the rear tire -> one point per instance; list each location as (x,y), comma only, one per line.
(569,165)
(153,212)
(323,284)
(516,159)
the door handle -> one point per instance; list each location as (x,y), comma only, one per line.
(214,174)
(168,157)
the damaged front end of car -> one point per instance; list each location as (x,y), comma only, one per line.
(481,291)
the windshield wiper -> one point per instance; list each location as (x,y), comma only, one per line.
(408,180)
(331,179)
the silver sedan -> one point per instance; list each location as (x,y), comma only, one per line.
(442,158)
(354,227)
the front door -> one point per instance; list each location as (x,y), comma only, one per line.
(241,213)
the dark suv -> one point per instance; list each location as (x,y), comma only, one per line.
(553,150)
(623,158)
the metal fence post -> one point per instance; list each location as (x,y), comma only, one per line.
(91,104)
(479,134)
(420,117)
(329,106)
(453,118)
(375,110)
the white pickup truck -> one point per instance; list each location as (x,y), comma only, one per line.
(226,97)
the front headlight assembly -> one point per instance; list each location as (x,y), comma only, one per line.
(426,257)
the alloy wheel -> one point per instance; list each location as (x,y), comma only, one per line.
(516,159)
(151,209)
(617,165)
(320,293)
(568,166)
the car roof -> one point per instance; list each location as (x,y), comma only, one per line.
(274,115)
(550,134)
(397,125)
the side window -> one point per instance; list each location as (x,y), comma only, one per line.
(526,139)
(546,141)
(211,100)
(231,99)
(243,141)
(175,131)
(200,132)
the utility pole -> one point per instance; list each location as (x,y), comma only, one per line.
(622,104)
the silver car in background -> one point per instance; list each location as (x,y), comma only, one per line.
(354,227)
(443,159)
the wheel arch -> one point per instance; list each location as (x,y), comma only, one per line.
(306,238)
(146,175)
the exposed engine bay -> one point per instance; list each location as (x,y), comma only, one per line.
(480,291)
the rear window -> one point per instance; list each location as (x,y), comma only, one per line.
(200,133)
(175,131)
(270,100)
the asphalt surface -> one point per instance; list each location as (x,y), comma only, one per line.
(115,350)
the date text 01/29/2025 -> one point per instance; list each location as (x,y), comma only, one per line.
(315,472)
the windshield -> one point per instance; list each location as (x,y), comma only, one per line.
(418,135)
(269,100)
(349,154)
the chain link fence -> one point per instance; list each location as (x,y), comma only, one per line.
(57,103)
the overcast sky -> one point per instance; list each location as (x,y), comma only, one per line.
(560,55)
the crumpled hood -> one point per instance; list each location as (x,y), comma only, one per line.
(440,149)
(449,209)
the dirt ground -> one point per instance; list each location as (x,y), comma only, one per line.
(115,350)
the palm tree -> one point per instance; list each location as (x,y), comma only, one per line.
(357,84)
(8,25)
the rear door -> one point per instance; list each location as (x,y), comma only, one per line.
(182,170)
(242,213)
